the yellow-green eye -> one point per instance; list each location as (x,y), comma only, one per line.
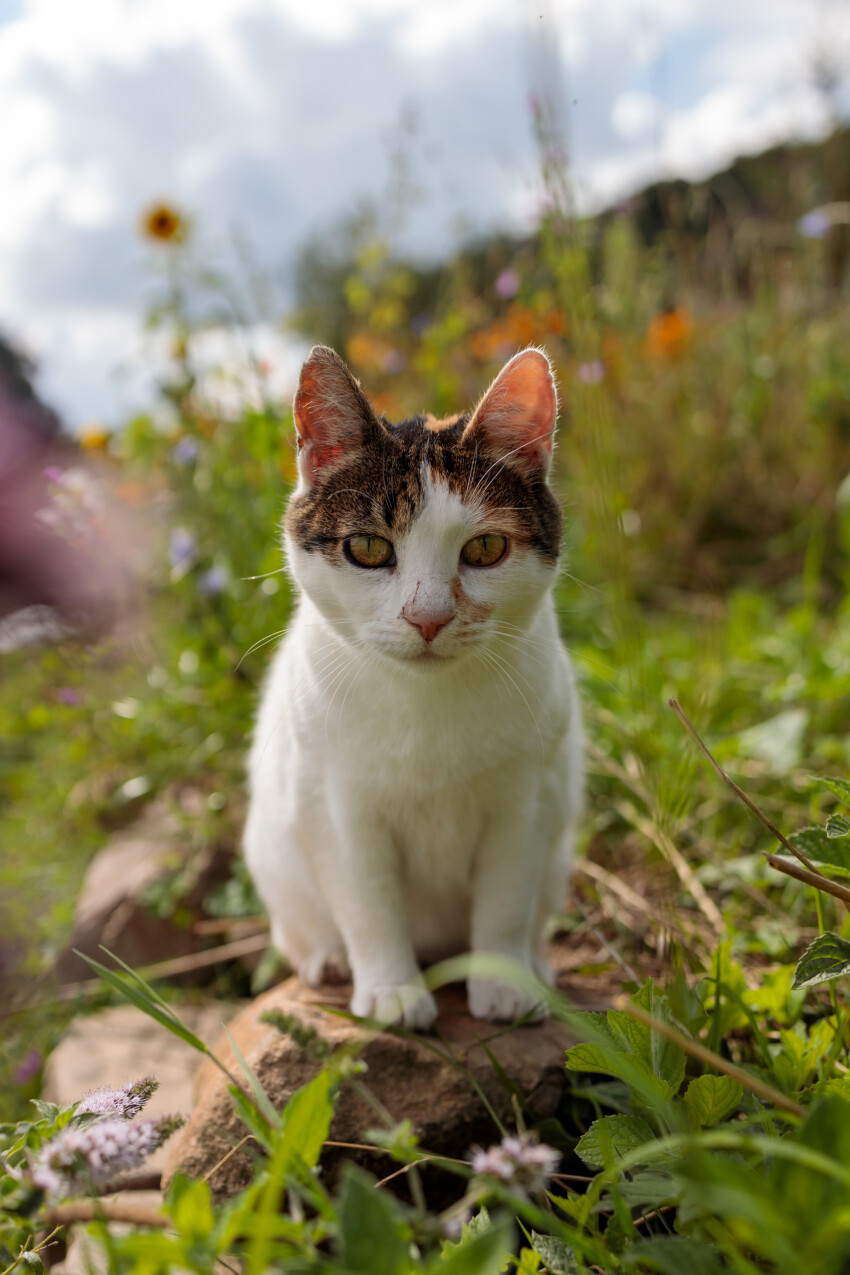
(484,551)
(369,551)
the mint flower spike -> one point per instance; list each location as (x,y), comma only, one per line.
(520,1161)
(82,1159)
(124,1103)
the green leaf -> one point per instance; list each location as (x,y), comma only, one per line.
(370,1239)
(612,1137)
(557,1258)
(709,1099)
(817,845)
(673,1254)
(483,1254)
(652,1066)
(825,959)
(136,990)
(837,826)
(47,1110)
(261,1098)
(306,1122)
(840,788)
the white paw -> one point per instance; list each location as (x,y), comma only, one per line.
(325,967)
(405,1005)
(501,1002)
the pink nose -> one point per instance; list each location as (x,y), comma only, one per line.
(430,627)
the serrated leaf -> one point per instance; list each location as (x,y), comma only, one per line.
(824,960)
(839,788)
(651,1066)
(817,845)
(611,1138)
(837,826)
(709,1099)
(557,1257)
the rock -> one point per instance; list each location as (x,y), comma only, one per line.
(413,1078)
(121,1044)
(111,910)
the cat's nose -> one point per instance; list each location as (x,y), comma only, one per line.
(429,625)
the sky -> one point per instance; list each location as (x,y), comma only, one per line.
(269,120)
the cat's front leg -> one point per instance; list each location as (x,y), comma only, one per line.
(510,868)
(362,882)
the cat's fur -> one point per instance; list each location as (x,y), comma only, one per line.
(416,769)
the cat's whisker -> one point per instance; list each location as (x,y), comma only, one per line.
(262,642)
(265,574)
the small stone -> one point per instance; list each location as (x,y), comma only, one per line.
(413,1077)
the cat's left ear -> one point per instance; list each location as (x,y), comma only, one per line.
(333,417)
(516,417)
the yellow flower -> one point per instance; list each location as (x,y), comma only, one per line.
(94,438)
(164,223)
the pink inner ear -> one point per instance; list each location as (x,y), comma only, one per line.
(517,414)
(328,415)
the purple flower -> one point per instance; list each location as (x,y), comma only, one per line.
(420,323)
(185,450)
(83,1158)
(507,284)
(815,224)
(27,1067)
(591,373)
(67,695)
(53,474)
(126,1102)
(519,1161)
(215,580)
(182,547)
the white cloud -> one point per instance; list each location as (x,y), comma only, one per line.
(272,116)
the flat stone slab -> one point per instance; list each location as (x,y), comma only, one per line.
(442,1082)
(122,1044)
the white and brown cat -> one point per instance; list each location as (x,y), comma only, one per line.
(416,770)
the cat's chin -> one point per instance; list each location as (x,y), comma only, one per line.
(424,659)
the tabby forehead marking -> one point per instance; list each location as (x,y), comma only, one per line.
(378,489)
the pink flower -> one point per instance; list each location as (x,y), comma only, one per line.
(125,1103)
(507,284)
(591,373)
(81,1159)
(519,1161)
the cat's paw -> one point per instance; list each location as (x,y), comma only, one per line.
(325,967)
(501,1002)
(405,1005)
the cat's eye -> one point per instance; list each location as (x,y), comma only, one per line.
(369,551)
(484,551)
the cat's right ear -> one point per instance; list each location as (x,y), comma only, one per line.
(333,417)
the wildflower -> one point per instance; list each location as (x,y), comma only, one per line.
(185,451)
(507,284)
(215,580)
(126,1102)
(53,474)
(67,695)
(164,223)
(84,1158)
(519,1161)
(815,224)
(93,438)
(591,373)
(182,548)
(27,1067)
(669,333)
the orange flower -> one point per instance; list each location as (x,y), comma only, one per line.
(164,223)
(669,334)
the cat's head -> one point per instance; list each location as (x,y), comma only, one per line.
(424,540)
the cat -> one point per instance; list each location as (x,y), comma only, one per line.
(416,768)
